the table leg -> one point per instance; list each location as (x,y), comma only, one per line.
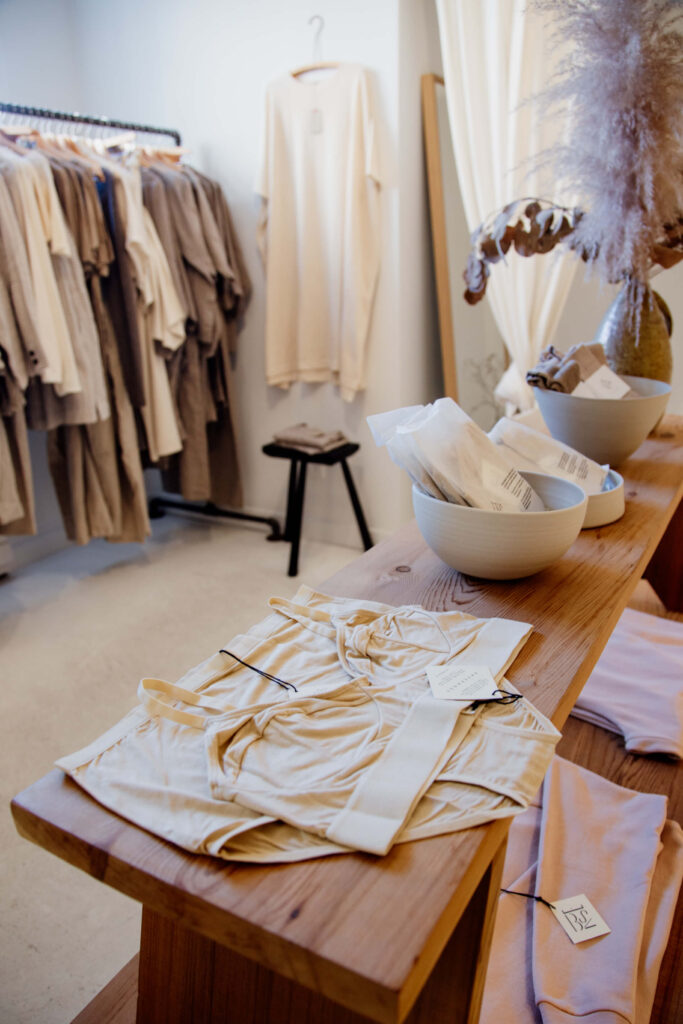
(185,978)
(665,571)
(455,987)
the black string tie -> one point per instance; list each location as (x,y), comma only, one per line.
(507,698)
(529,896)
(266,675)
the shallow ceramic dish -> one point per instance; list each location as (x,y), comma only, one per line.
(605,429)
(504,545)
(608,505)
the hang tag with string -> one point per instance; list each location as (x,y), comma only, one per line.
(576,914)
(316,121)
(579,918)
(461,682)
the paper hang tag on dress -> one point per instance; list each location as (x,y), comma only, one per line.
(461,682)
(579,918)
(316,121)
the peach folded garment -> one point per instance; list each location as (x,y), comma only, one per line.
(615,845)
(636,688)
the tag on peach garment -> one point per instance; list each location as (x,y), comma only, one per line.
(579,918)
(461,682)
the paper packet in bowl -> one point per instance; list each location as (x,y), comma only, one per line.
(455,455)
(384,429)
(538,452)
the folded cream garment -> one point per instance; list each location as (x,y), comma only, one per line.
(636,688)
(309,439)
(230,764)
(584,836)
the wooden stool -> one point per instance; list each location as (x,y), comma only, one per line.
(297,482)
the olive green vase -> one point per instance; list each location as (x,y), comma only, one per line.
(637,341)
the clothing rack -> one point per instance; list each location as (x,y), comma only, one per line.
(101,122)
(157,505)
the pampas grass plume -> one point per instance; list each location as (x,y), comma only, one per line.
(622,90)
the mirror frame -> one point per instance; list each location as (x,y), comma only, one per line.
(437,214)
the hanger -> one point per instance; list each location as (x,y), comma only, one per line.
(17,129)
(116,141)
(8,142)
(318,64)
(77,147)
(168,155)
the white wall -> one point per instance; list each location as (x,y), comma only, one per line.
(39,65)
(203,68)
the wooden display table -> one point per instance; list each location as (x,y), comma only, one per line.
(403,937)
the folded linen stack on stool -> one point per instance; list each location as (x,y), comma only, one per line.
(309,439)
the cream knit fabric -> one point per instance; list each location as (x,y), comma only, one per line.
(359,756)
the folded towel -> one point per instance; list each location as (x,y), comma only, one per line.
(554,372)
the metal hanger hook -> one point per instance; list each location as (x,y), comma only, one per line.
(317,49)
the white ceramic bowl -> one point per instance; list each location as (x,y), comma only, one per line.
(608,505)
(605,429)
(503,545)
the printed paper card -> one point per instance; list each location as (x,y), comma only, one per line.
(461,682)
(604,383)
(579,918)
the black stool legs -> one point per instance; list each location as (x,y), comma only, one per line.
(295,511)
(360,518)
(298,461)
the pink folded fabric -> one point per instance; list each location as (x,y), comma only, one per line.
(636,688)
(601,840)
(615,846)
(660,914)
(509,989)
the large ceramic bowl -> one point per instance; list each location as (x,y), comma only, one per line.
(503,545)
(605,429)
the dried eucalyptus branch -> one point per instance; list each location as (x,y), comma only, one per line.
(529,225)
(621,89)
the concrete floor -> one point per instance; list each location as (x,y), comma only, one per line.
(77,631)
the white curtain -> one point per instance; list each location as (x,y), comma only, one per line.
(495,56)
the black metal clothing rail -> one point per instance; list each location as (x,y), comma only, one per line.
(159,504)
(101,122)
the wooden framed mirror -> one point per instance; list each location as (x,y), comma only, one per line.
(472,351)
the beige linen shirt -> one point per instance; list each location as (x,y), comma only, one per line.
(283,794)
(44,237)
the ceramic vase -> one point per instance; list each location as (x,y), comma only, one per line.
(636,335)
